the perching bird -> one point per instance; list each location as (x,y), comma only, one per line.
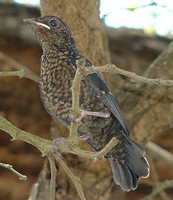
(58,67)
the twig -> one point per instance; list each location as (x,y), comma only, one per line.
(93,155)
(53,178)
(75,105)
(160,187)
(159,152)
(34,192)
(113,69)
(74,179)
(31,75)
(67,146)
(10,167)
(21,73)
(43,145)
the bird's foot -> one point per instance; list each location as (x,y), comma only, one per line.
(83,136)
(84,113)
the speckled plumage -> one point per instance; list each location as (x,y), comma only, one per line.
(58,67)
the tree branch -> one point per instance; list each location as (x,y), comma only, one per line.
(109,68)
(99,154)
(73,178)
(10,167)
(53,177)
(27,73)
(43,145)
(75,105)
(159,152)
(21,73)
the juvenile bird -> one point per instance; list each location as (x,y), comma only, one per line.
(58,67)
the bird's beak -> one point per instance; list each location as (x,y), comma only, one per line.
(33,22)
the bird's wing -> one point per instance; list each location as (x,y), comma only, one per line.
(99,86)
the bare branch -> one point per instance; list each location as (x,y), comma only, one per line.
(99,154)
(109,68)
(159,152)
(75,105)
(73,178)
(34,192)
(43,145)
(21,73)
(53,178)
(113,69)
(29,74)
(10,167)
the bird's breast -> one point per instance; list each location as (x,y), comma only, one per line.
(55,88)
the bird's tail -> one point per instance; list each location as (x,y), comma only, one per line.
(135,166)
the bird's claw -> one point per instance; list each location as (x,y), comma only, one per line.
(84,113)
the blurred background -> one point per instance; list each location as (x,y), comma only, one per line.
(149,15)
(137,32)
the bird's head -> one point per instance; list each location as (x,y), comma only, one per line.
(50,31)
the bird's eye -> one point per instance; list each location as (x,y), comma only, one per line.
(53,23)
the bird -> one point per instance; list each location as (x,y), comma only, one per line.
(58,67)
